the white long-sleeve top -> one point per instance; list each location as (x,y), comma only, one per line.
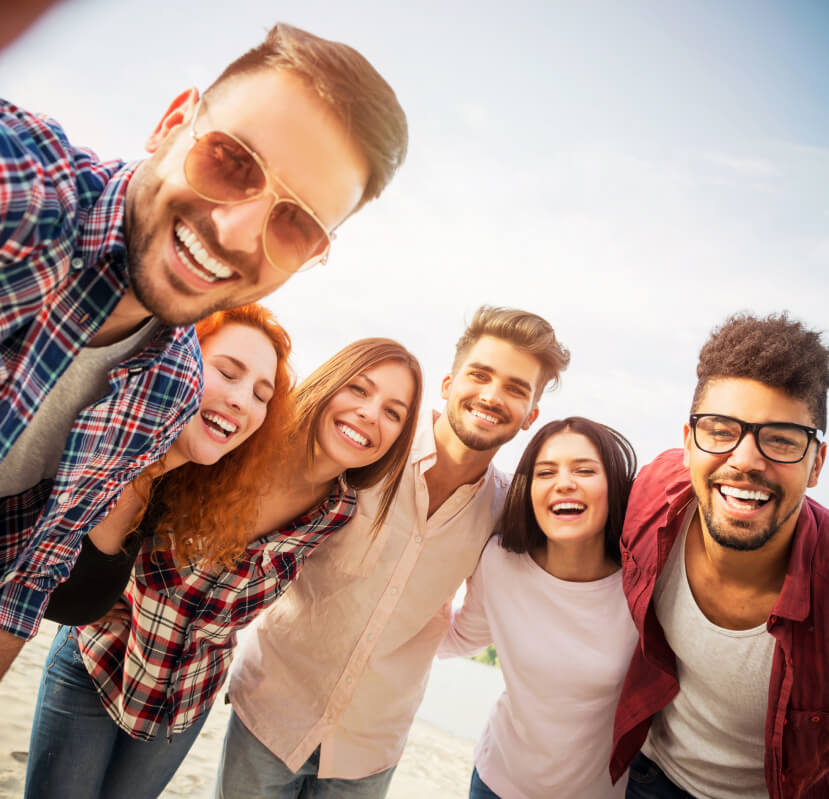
(564,649)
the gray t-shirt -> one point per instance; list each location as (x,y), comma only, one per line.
(36,454)
(709,739)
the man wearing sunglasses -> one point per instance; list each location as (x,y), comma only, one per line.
(106,265)
(726,570)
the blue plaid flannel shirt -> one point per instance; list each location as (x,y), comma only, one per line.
(63,268)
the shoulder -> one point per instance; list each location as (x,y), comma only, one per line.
(499,481)
(34,147)
(48,188)
(659,486)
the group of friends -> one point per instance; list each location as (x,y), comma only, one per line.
(164,482)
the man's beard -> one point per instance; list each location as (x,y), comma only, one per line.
(476,441)
(153,298)
(730,540)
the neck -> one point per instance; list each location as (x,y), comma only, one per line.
(294,490)
(455,461)
(124,320)
(575,561)
(456,465)
(761,569)
(315,481)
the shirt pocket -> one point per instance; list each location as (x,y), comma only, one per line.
(806,747)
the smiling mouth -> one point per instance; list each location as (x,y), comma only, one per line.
(219,424)
(351,434)
(487,417)
(743,498)
(195,257)
(568,508)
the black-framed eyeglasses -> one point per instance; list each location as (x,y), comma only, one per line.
(782,442)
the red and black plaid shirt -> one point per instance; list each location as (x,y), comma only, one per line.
(162,672)
(797,720)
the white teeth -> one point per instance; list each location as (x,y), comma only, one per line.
(485,416)
(353,435)
(228,428)
(742,493)
(217,270)
(568,506)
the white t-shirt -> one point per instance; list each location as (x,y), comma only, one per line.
(564,649)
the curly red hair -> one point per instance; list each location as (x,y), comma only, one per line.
(210,510)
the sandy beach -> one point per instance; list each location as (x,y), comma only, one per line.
(437,761)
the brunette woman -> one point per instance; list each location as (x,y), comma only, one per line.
(219,551)
(548,592)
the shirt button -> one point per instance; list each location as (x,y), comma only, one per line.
(330,719)
(418,539)
(77,263)
(814,719)
(370,636)
(349,680)
(393,591)
(64,497)
(773,619)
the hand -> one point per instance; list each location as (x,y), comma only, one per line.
(119,612)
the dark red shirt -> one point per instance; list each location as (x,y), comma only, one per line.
(797,719)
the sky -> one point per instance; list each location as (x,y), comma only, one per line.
(633,172)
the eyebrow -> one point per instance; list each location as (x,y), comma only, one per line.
(575,460)
(244,367)
(482,367)
(374,386)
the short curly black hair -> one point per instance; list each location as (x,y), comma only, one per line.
(775,350)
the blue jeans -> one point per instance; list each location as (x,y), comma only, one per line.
(249,770)
(478,789)
(648,781)
(77,751)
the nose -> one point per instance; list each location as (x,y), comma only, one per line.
(564,481)
(369,411)
(239,226)
(747,456)
(491,395)
(238,397)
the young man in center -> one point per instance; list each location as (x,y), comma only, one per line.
(325,688)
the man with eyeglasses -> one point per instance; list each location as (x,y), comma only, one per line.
(106,265)
(726,570)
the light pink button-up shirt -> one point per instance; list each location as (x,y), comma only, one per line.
(343,658)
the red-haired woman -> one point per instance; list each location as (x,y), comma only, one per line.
(123,699)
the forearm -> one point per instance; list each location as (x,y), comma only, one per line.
(10,645)
(109,534)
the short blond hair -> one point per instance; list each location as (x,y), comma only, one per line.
(524,330)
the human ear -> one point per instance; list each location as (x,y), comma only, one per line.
(820,459)
(687,438)
(531,417)
(445,385)
(178,113)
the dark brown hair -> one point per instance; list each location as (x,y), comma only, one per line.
(314,393)
(518,526)
(348,84)
(776,351)
(524,330)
